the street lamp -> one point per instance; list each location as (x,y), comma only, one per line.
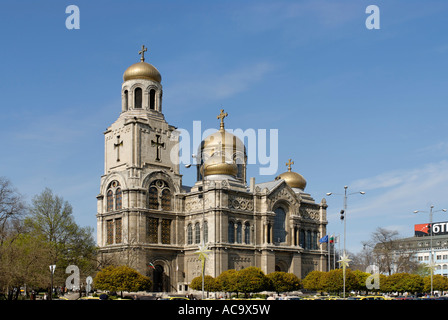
(202,248)
(431,254)
(52,268)
(345,259)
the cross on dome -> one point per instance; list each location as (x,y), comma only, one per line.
(221,116)
(142,52)
(289,163)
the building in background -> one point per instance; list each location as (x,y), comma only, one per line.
(420,245)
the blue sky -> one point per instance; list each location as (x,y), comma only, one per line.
(357,107)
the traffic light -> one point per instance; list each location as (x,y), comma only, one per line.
(342,214)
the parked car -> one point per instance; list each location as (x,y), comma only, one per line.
(373,298)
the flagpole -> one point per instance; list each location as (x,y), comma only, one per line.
(339,251)
(325,240)
(343,217)
(336,239)
(329,250)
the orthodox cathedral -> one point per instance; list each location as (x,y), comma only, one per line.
(148,220)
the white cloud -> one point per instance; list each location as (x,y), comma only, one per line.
(389,202)
(401,192)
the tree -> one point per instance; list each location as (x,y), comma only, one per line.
(362,259)
(251,279)
(52,218)
(283,282)
(226,281)
(23,260)
(210,283)
(422,270)
(387,283)
(12,209)
(411,283)
(388,254)
(313,281)
(122,278)
(440,283)
(360,280)
(333,281)
(402,282)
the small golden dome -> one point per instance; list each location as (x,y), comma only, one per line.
(219,165)
(292,179)
(142,70)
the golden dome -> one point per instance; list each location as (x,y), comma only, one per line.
(292,179)
(221,152)
(219,165)
(142,70)
(222,139)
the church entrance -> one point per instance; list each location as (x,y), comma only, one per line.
(158,279)
(281,265)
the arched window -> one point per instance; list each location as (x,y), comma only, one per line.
(153,198)
(138,98)
(269,233)
(197,233)
(296,231)
(302,238)
(110,200)
(152,99)
(159,196)
(166,199)
(126,97)
(308,239)
(159,107)
(231,232)
(315,246)
(113,189)
(205,231)
(189,234)
(239,232)
(118,199)
(279,225)
(247,233)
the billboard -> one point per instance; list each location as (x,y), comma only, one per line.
(438,228)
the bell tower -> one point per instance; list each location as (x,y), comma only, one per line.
(140,137)
(141,164)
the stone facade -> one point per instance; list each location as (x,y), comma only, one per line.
(147,219)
